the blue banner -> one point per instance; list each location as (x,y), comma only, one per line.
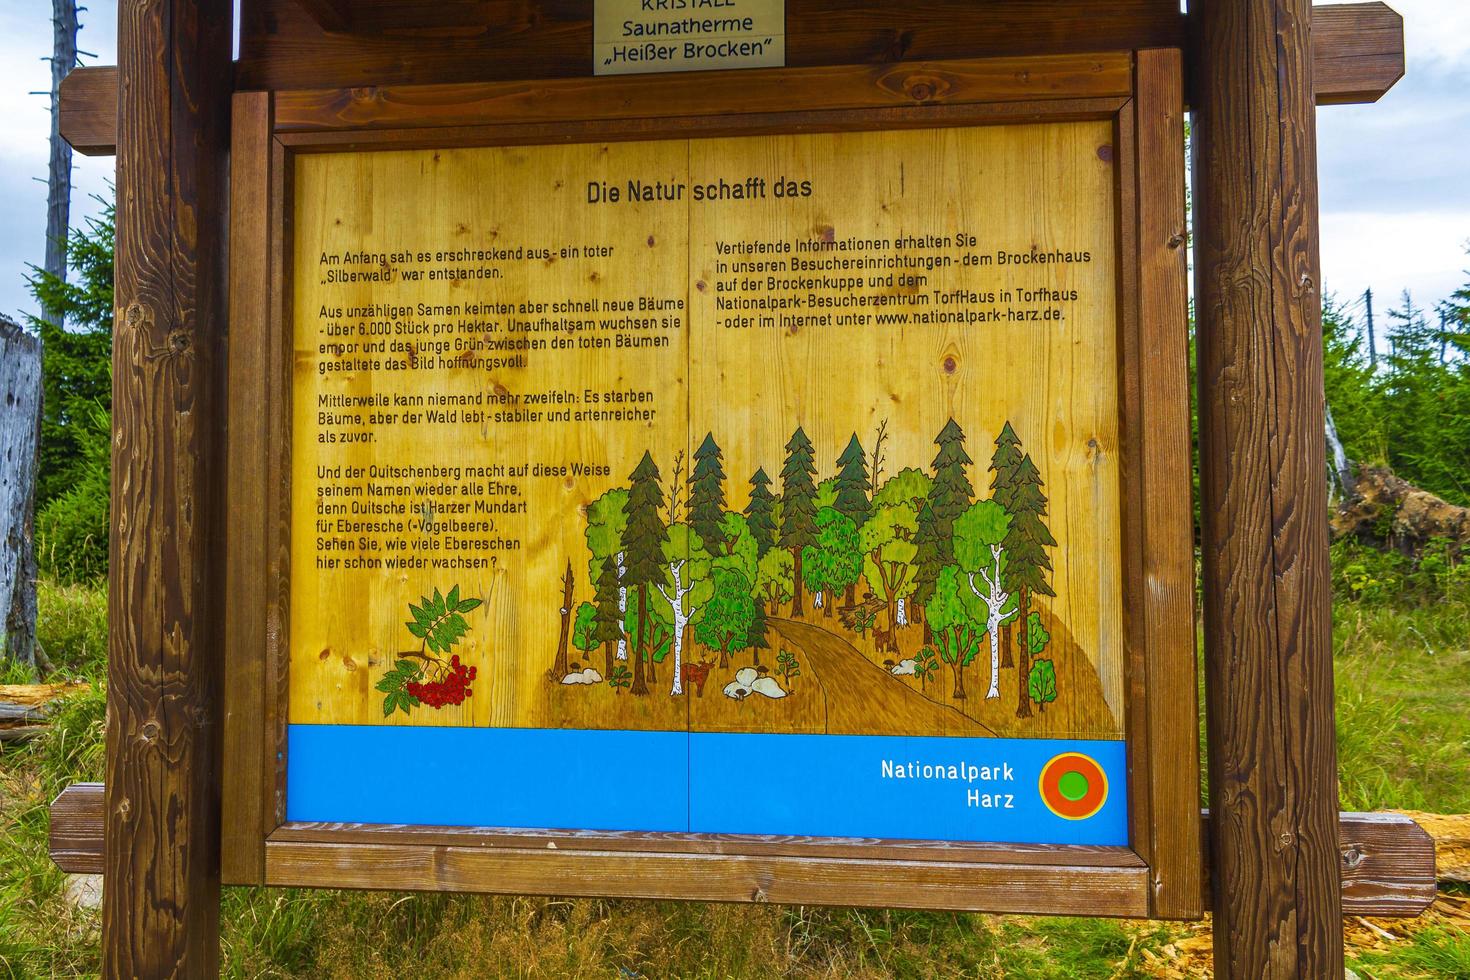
(999,790)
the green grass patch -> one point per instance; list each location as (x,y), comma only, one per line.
(1403,672)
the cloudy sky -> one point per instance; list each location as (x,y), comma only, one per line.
(1395,176)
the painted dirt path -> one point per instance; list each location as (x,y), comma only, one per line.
(861,698)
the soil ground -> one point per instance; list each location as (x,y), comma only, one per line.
(845,686)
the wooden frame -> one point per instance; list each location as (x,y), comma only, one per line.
(1141,93)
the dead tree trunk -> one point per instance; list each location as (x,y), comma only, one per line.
(1385,511)
(1340,468)
(20,436)
(58,176)
(563,664)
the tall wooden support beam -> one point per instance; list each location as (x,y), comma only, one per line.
(161,904)
(1268,642)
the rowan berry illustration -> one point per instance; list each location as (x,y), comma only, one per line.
(425,677)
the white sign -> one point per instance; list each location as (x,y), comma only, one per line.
(634,37)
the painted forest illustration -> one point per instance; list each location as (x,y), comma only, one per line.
(870,599)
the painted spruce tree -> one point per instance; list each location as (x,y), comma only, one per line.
(607,621)
(853,487)
(607,519)
(758,513)
(853,483)
(707,494)
(951,492)
(756,635)
(798,507)
(643,549)
(1027,563)
(928,563)
(1004,463)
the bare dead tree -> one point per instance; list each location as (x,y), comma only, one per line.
(58,176)
(20,438)
(876,468)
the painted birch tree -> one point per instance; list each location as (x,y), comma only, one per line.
(688,588)
(979,545)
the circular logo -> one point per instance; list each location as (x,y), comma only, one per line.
(1073,786)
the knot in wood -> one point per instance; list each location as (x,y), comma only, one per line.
(149,732)
(1285,840)
(925,88)
(1176,240)
(124,808)
(1352,857)
(759,895)
(367,93)
(136,315)
(178,341)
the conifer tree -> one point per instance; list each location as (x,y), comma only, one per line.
(758,513)
(798,507)
(607,622)
(951,493)
(1027,563)
(853,484)
(1003,463)
(707,495)
(927,564)
(643,542)
(756,635)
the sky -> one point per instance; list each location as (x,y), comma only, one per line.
(1394,177)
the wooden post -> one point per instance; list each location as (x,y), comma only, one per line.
(161,902)
(1268,649)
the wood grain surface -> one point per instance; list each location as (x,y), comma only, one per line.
(1020,189)
(246,795)
(160,911)
(1165,523)
(1358,56)
(1062,890)
(1267,599)
(1387,860)
(281,47)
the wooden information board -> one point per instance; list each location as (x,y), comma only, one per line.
(766,494)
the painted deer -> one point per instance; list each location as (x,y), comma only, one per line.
(696,674)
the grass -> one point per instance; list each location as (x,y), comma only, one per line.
(1403,673)
(1403,731)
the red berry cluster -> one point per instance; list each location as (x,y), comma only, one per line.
(452,688)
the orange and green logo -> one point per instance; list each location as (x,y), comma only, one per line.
(1073,786)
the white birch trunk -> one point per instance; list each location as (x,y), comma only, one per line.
(994,603)
(903,611)
(817,599)
(622,610)
(681,619)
